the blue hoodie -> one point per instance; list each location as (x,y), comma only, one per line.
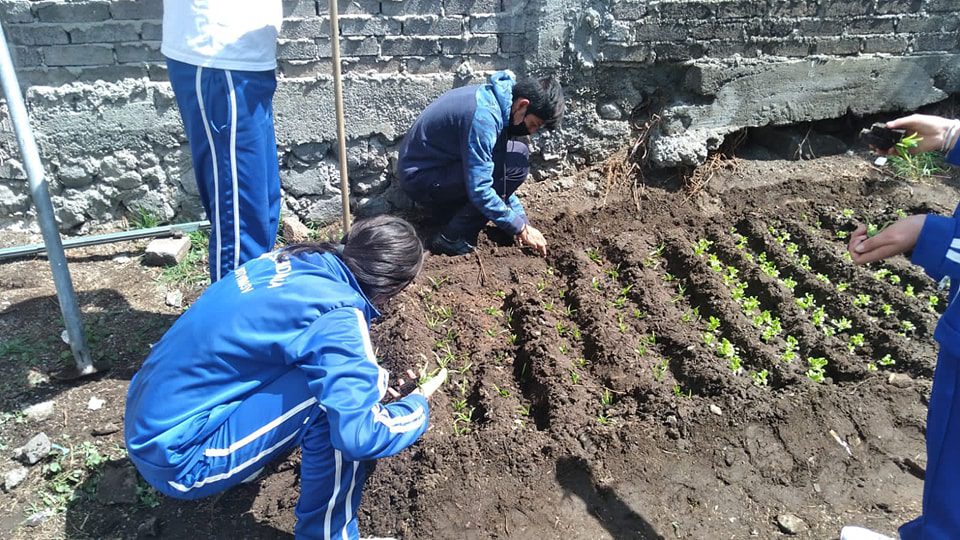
(268,317)
(938,253)
(466,126)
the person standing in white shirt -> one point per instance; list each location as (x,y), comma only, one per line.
(221,60)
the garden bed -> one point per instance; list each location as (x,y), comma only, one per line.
(678,366)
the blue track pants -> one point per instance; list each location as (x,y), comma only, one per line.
(228,118)
(941,488)
(262,427)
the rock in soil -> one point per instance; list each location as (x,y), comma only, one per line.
(716,410)
(13,478)
(36,449)
(166,251)
(37,518)
(791,524)
(39,412)
(149,528)
(174,299)
(106,429)
(118,484)
(900,380)
(294,230)
(95,403)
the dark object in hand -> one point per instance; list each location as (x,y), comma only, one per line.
(881,137)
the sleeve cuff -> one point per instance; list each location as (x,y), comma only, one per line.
(417,399)
(953,156)
(933,243)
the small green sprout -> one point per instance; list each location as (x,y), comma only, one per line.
(842,324)
(594,255)
(886,309)
(909,290)
(847,213)
(854,342)
(760,377)
(502,391)
(574,376)
(606,398)
(816,372)
(713,323)
(862,300)
(907,327)
(843,286)
(659,370)
(701,247)
(887,360)
(789,283)
(806,302)
(932,302)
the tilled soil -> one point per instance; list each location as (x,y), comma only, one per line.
(677,367)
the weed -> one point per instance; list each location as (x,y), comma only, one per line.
(144,219)
(914,167)
(493,311)
(660,369)
(606,398)
(192,269)
(437,282)
(594,255)
(146,495)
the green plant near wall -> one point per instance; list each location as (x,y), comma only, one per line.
(914,167)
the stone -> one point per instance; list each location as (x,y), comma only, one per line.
(118,485)
(38,518)
(166,251)
(174,299)
(294,231)
(35,450)
(95,403)
(791,524)
(39,411)
(716,410)
(900,380)
(105,429)
(36,378)
(610,111)
(150,528)
(13,478)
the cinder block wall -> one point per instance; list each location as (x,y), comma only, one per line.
(112,142)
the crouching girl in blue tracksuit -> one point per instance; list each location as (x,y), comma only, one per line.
(277,354)
(935,241)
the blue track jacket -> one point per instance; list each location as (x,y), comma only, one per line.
(258,323)
(938,253)
(465,126)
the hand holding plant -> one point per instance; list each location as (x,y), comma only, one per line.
(531,237)
(429,386)
(898,238)
(931,131)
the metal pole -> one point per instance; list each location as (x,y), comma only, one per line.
(41,199)
(97,239)
(338,102)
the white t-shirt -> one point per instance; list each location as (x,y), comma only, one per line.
(224,34)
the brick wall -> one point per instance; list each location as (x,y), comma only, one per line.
(54,42)
(676,30)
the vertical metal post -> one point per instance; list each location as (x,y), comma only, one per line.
(41,199)
(338,102)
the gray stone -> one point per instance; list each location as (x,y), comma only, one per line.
(13,478)
(35,450)
(74,176)
(174,299)
(118,485)
(312,151)
(610,111)
(38,518)
(900,380)
(791,524)
(322,210)
(313,180)
(39,412)
(128,180)
(716,410)
(105,429)
(166,251)
(294,231)
(78,55)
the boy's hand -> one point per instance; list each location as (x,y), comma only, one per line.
(533,238)
(931,129)
(432,384)
(897,238)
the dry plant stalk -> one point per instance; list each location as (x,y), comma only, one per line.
(696,180)
(628,163)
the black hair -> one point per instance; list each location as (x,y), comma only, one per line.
(383,253)
(546,98)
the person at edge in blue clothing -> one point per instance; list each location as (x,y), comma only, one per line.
(461,162)
(935,242)
(221,60)
(277,354)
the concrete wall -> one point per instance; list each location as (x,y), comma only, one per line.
(112,141)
